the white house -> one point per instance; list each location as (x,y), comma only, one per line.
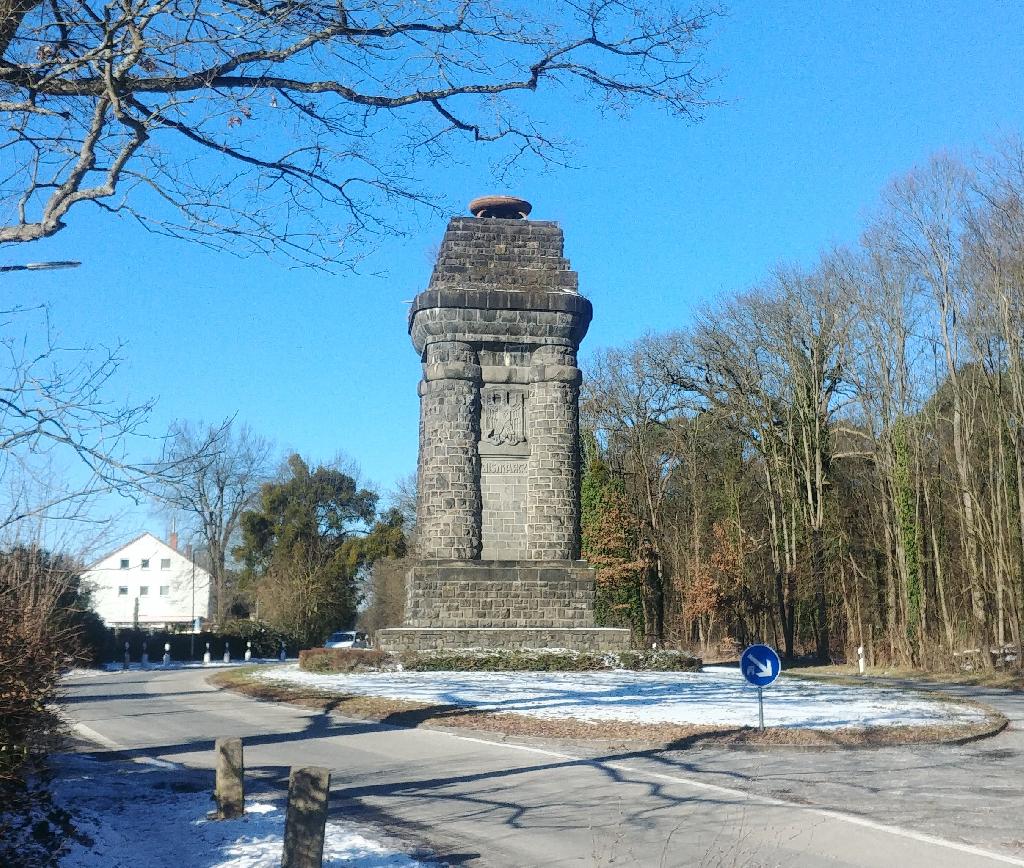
(150,583)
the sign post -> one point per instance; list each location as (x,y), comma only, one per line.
(760,666)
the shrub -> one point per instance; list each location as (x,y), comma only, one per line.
(37,640)
(659,661)
(328,660)
(36,643)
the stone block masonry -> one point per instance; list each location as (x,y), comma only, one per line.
(448,505)
(401,639)
(498,509)
(503,485)
(497,331)
(501,594)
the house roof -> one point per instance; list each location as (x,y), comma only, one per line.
(134,540)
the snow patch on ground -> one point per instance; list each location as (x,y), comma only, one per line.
(134,815)
(720,696)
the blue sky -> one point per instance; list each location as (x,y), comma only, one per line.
(823,103)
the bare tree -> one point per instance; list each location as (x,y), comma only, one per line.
(403,498)
(298,125)
(385,578)
(993,267)
(727,363)
(627,402)
(220,471)
(838,453)
(386,593)
(924,226)
(885,374)
(57,421)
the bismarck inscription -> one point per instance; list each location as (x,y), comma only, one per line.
(504,468)
(503,417)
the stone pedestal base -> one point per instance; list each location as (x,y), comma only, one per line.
(501,604)
(600,639)
(500,594)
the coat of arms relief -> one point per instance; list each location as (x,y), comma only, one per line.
(503,417)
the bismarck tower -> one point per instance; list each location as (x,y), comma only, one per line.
(498,511)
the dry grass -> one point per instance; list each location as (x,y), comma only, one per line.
(415,714)
(1007,680)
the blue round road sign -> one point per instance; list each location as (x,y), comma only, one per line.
(760,665)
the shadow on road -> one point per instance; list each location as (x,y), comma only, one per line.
(919,787)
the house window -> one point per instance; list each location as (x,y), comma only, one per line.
(145,563)
(165,590)
(122,591)
(165,563)
(124,563)
(144,591)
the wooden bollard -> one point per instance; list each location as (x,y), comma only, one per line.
(306,818)
(230,789)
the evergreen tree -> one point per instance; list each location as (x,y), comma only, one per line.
(610,542)
(304,548)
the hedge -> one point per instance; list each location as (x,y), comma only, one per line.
(332,660)
(548,660)
(266,642)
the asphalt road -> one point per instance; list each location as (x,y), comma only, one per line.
(481,801)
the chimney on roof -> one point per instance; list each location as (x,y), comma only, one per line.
(173,540)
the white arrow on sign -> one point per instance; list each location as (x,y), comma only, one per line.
(763,670)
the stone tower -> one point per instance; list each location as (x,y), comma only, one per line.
(498,512)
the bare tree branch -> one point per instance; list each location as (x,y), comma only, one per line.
(298,126)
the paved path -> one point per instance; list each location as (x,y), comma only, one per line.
(481,802)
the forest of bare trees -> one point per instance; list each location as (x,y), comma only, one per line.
(835,456)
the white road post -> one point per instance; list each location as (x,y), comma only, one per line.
(206,655)
(167,653)
(860,659)
(248,651)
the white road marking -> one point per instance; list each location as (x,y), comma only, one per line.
(90,734)
(826,813)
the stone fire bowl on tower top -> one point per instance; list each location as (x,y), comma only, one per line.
(501,207)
